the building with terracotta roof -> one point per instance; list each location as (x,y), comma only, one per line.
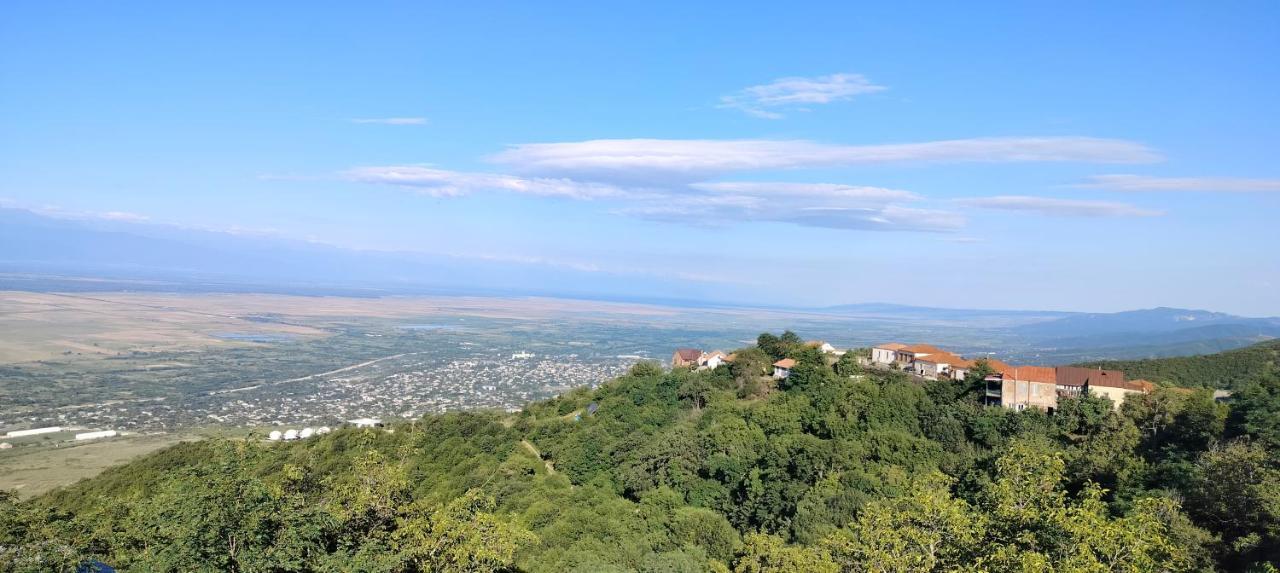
(886,354)
(941,365)
(901,355)
(1022,387)
(710,360)
(1074,381)
(685,358)
(782,368)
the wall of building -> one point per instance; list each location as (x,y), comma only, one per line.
(882,356)
(1117,395)
(1028,394)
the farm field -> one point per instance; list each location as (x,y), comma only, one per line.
(30,471)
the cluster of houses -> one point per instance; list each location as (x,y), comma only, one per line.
(696,359)
(1016,387)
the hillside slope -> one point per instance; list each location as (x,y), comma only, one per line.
(832,469)
(1226,370)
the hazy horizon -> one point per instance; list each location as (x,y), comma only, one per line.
(1092,158)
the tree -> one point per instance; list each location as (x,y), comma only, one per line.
(1237,494)
(925,530)
(770,554)
(1255,412)
(464,536)
(645,369)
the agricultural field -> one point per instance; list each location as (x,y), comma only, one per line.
(33,469)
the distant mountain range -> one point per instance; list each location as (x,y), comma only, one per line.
(158,257)
(53,254)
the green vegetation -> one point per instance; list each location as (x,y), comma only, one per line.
(1227,370)
(834,469)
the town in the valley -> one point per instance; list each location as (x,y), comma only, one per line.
(411,385)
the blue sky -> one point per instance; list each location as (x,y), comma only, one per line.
(1083,156)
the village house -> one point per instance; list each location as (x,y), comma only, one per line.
(896,355)
(685,358)
(943,365)
(782,368)
(886,354)
(710,360)
(1022,387)
(1074,381)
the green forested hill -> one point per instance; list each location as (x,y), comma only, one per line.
(833,469)
(1223,370)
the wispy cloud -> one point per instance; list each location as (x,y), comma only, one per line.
(732,209)
(57,212)
(807,204)
(1203,184)
(765,100)
(701,159)
(390,120)
(1059,207)
(810,191)
(444,183)
(122,216)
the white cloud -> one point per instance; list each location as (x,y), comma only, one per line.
(390,120)
(57,212)
(692,160)
(1059,207)
(1206,184)
(717,210)
(854,193)
(122,216)
(790,93)
(444,183)
(808,204)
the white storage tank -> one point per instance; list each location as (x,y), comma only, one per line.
(306,433)
(274,435)
(291,435)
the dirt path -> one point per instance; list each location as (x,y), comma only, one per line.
(551,469)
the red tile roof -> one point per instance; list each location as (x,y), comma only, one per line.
(688,353)
(892,346)
(922,349)
(1044,374)
(946,358)
(785,363)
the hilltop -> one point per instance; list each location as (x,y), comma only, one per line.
(834,468)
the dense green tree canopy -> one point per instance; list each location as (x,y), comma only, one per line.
(839,468)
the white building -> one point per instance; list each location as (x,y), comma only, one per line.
(782,368)
(96,435)
(33,432)
(365,422)
(710,360)
(886,354)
